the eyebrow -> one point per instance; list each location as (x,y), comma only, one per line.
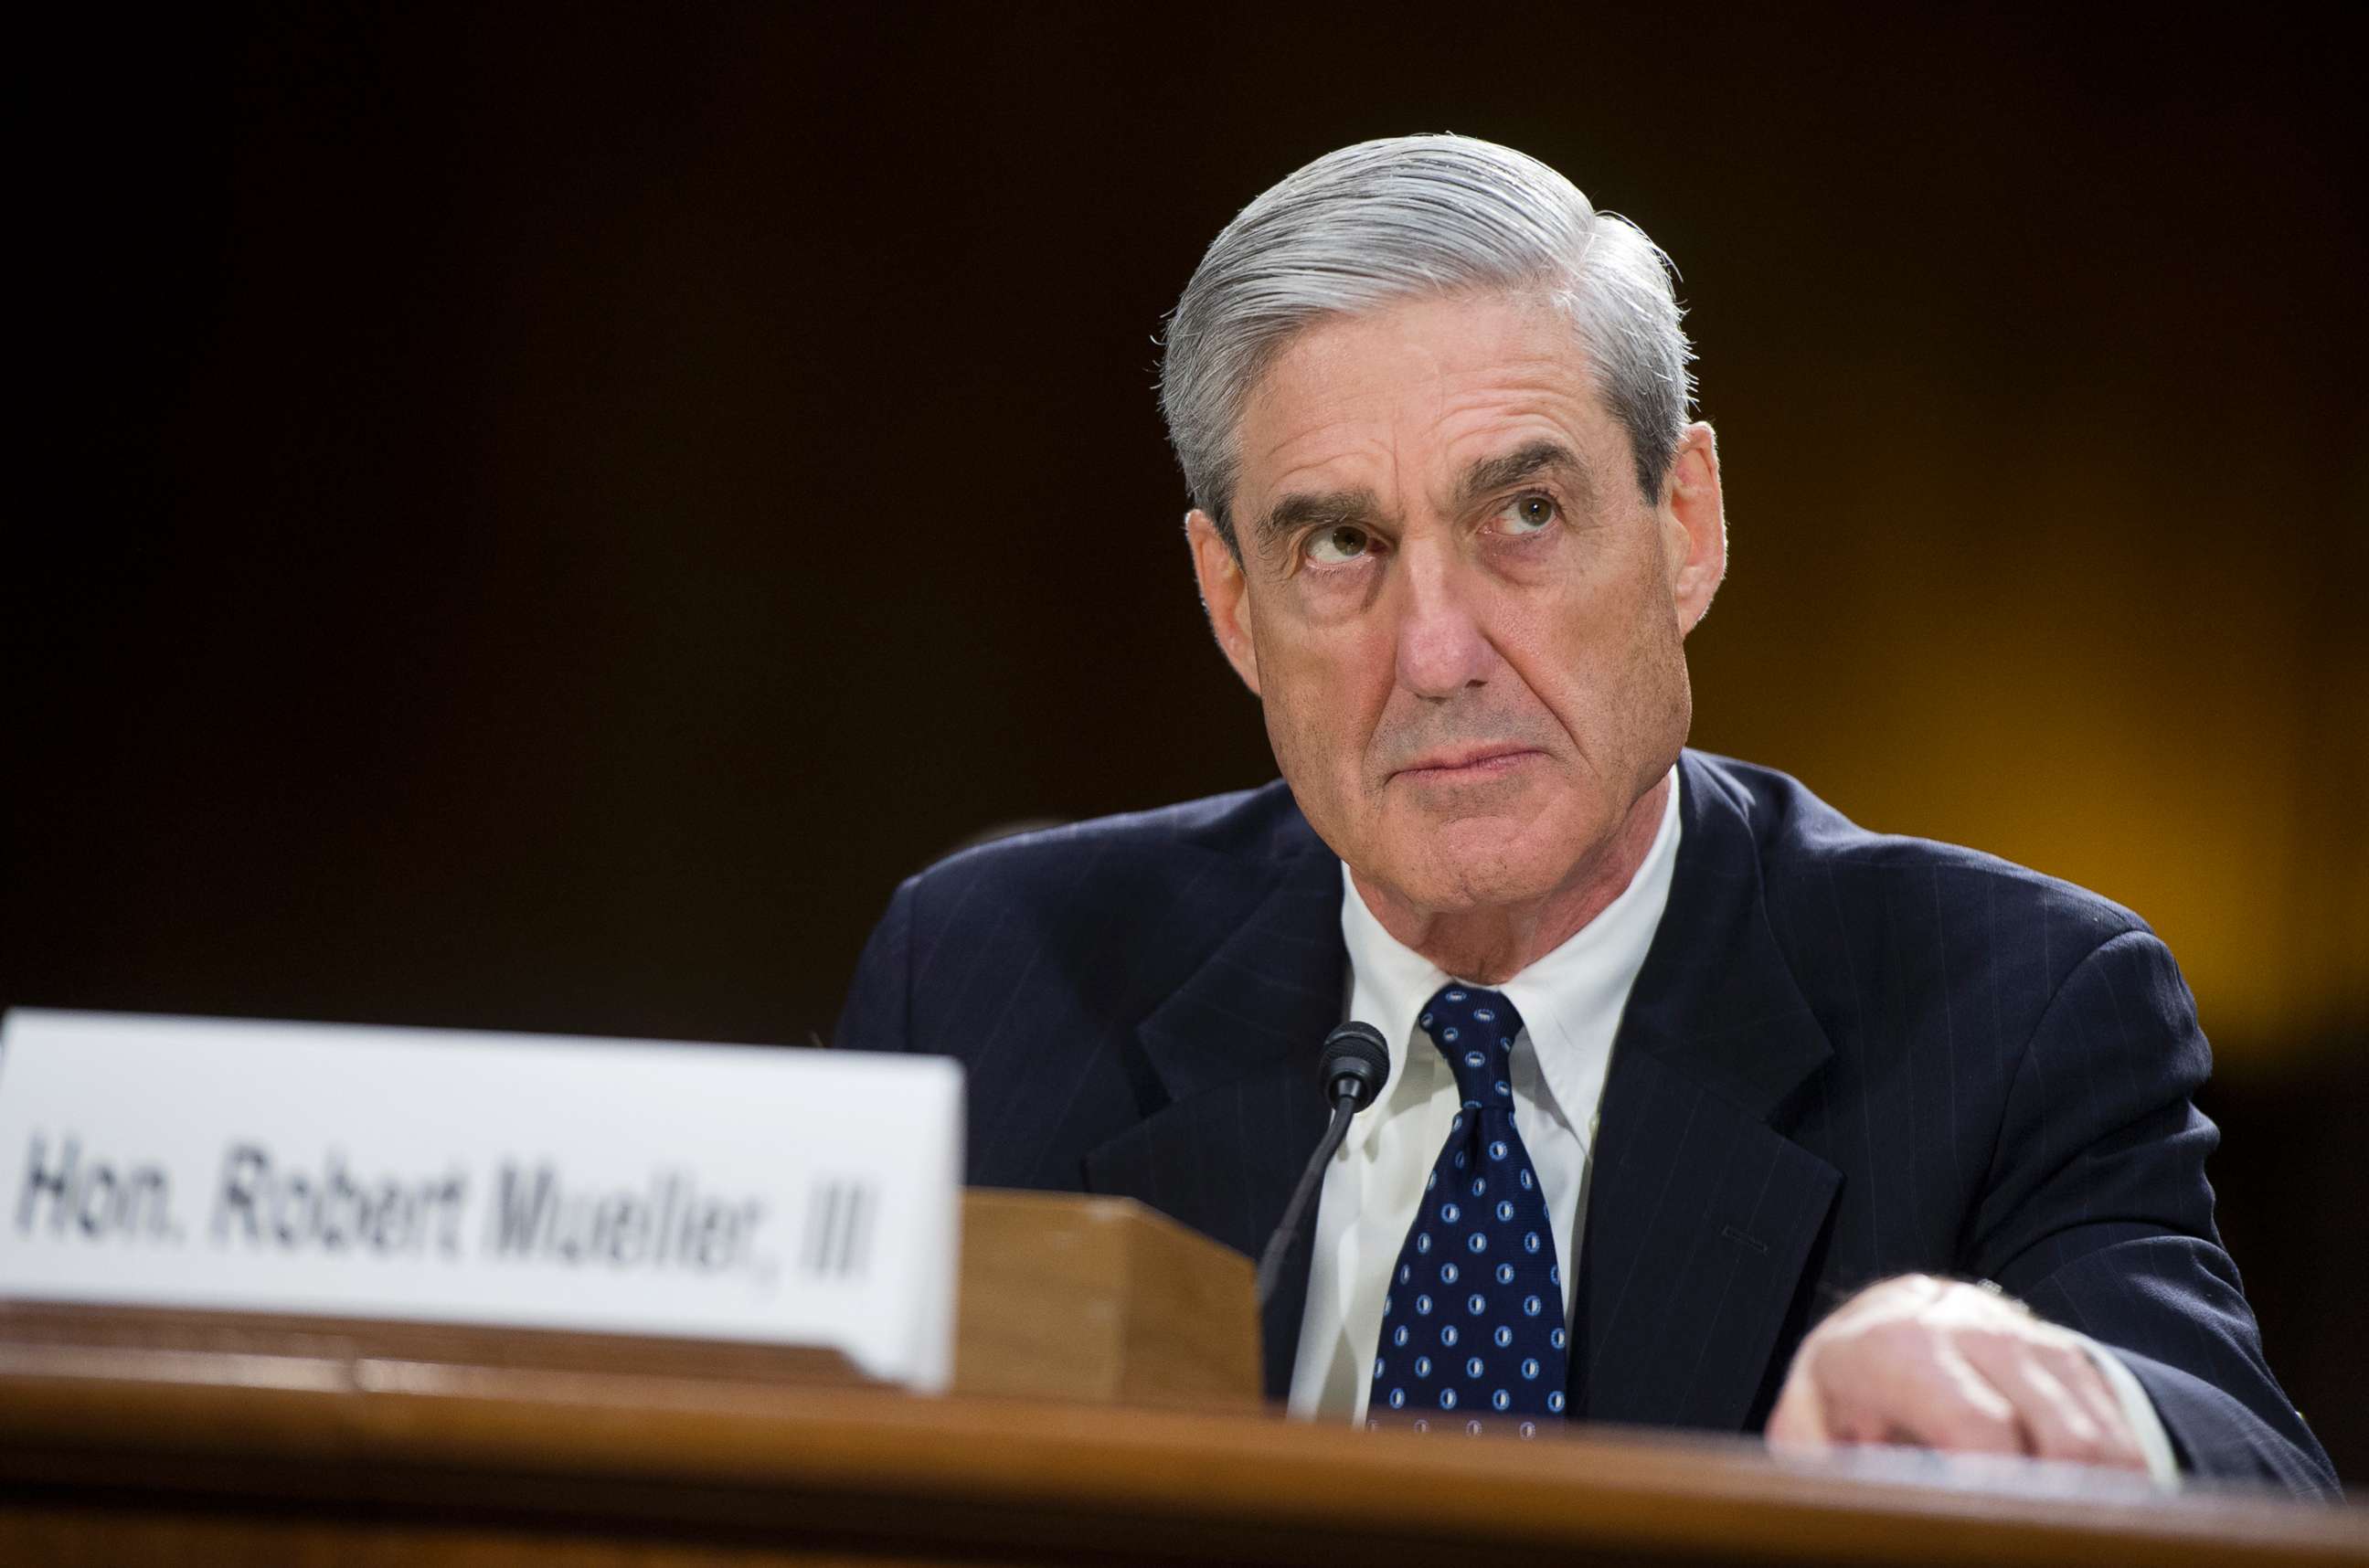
(1526,461)
(1308,508)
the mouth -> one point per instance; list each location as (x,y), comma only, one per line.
(1468,764)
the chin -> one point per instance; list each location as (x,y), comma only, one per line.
(1476,864)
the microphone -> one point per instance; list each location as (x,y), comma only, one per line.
(1353,1068)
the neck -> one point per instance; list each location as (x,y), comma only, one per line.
(1491,946)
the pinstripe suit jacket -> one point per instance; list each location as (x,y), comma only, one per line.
(1847,1057)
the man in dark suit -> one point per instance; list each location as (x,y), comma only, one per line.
(1850,1138)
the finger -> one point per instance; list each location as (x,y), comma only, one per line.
(2048,1383)
(1797,1424)
(1916,1389)
(2078,1369)
(2055,1424)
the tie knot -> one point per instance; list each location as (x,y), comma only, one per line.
(1474,1029)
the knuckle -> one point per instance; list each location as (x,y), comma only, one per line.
(1987,1338)
(2014,1340)
(1924,1290)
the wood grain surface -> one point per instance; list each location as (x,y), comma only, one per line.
(266,1457)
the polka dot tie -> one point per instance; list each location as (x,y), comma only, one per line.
(1472,1331)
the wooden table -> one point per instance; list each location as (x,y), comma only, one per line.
(114,1455)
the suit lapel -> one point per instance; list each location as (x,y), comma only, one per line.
(1701,1216)
(1234,1048)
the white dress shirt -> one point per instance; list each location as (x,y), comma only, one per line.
(1571,1002)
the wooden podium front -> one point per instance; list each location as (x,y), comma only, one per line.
(131,1439)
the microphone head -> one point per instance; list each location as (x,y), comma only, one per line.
(1355,1064)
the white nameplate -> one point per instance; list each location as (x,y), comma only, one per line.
(804,1196)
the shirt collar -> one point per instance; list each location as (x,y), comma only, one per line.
(1570,999)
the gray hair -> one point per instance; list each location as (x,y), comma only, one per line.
(1408,216)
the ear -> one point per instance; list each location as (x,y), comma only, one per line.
(1694,525)
(1223,594)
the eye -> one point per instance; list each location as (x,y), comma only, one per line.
(1339,543)
(1529,514)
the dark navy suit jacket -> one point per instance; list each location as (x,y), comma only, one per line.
(1847,1057)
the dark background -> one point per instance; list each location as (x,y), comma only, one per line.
(538,523)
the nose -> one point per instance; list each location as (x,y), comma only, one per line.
(1441,647)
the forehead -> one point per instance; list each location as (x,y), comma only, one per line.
(1403,398)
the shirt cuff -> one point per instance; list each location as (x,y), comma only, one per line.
(2154,1442)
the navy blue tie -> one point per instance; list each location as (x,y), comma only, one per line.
(1472,1328)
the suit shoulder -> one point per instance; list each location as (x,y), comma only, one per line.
(1813,857)
(1082,929)
(1245,829)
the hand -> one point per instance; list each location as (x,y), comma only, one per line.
(1945,1365)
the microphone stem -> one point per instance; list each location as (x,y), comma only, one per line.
(1271,1261)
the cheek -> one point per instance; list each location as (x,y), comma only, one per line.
(1321,697)
(1634,703)
(1607,662)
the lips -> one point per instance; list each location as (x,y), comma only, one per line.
(1466,763)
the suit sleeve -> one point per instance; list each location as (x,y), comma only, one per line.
(2100,1216)
(879,1013)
